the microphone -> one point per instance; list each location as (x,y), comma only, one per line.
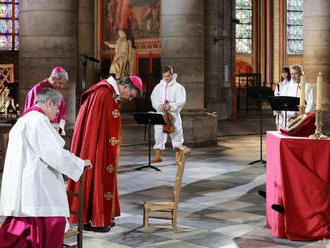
(90,58)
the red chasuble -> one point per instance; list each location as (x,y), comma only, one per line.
(97,137)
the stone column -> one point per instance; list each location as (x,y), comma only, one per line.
(182,41)
(48,38)
(219,57)
(317,50)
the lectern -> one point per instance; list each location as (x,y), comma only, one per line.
(149,118)
(284,103)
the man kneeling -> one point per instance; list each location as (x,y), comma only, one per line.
(33,194)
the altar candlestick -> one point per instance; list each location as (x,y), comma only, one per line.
(319,92)
(302,91)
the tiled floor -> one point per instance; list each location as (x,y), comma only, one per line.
(219,206)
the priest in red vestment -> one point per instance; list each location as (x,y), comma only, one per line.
(97,138)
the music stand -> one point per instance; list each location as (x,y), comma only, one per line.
(284,103)
(149,118)
(260,93)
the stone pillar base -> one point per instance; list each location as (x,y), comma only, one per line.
(199,128)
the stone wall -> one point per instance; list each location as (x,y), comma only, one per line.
(48,38)
(317,49)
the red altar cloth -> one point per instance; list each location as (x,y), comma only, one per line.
(298,177)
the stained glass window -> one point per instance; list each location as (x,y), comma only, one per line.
(295,27)
(244,28)
(9,26)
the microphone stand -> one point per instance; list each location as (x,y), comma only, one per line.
(84,69)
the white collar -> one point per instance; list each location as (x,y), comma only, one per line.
(113,83)
(293,82)
(173,80)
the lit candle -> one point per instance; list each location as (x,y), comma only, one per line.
(302,91)
(319,92)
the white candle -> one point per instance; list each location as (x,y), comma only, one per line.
(302,91)
(319,92)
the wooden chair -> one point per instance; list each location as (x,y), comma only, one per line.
(79,230)
(172,206)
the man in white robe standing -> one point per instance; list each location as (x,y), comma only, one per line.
(168,96)
(293,89)
(33,193)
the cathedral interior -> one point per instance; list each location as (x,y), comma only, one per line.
(221,51)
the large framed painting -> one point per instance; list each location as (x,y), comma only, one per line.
(140,19)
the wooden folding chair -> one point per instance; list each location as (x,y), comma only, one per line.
(172,206)
(79,230)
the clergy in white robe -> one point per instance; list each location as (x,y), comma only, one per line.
(293,89)
(33,195)
(280,91)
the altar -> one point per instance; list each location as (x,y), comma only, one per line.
(298,177)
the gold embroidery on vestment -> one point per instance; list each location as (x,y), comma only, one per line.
(108,196)
(113,141)
(116,113)
(110,168)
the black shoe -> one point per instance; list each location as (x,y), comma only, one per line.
(87,227)
(262,193)
(112,223)
(278,208)
(101,228)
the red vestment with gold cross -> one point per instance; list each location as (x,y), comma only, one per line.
(97,138)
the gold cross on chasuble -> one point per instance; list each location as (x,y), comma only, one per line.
(113,141)
(115,113)
(108,196)
(110,168)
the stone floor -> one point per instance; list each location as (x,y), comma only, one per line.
(219,204)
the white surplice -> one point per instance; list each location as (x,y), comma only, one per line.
(32,181)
